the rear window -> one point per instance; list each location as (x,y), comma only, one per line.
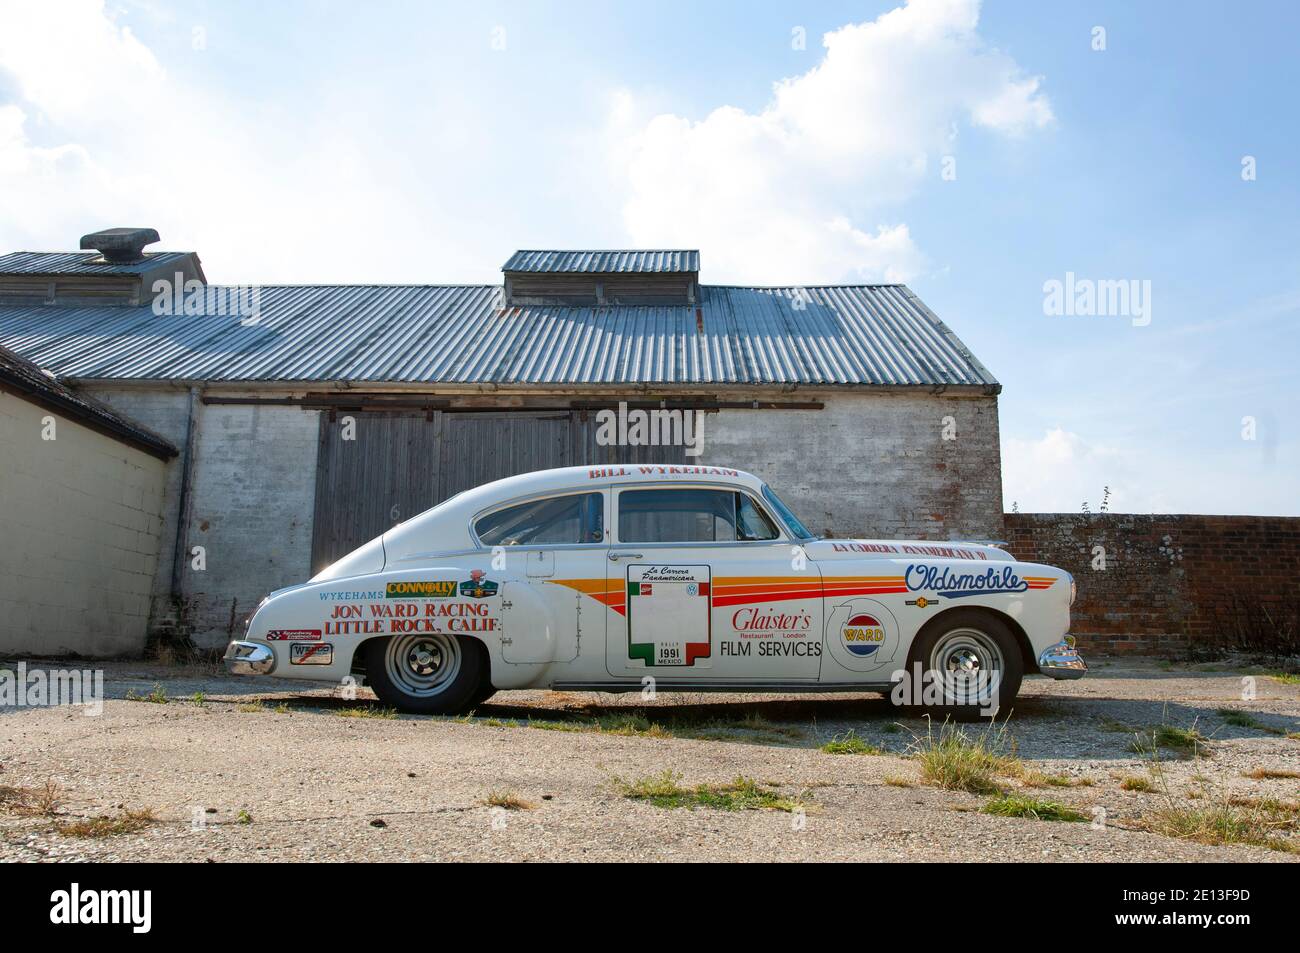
(555,521)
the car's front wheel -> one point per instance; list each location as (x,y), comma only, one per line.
(972,662)
(427,674)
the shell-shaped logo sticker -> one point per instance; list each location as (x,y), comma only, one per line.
(862,635)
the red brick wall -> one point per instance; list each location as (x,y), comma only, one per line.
(1171,582)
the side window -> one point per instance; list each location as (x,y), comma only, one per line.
(557,520)
(751,522)
(690,516)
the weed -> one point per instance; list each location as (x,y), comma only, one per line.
(1018,805)
(850,743)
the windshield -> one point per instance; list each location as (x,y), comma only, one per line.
(797,529)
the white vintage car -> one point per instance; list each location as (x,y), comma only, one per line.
(677,578)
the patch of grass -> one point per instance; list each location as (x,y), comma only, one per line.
(254,706)
(31,802)
(1188,742)
(1242,719)
(361,711)
(957,760)
(751,728)
(128,822)
(508,800)
(1017,805)
(155,697)
(1269,774)
(1137,783)
(898,781)
(1286,678)
(743,794)
(199,699)
(1239,719)
(1110,724)
(243,817)
(849,743)
(1259,823)
(1036,779)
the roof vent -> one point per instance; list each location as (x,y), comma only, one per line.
(120,246)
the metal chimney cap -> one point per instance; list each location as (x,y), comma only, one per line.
(120,245)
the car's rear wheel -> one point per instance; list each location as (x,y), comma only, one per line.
(972,662)
(426,674)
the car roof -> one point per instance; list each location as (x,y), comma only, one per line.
(564,478)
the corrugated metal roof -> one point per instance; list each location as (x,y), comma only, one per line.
(80,263)
(449,334)
(659,261)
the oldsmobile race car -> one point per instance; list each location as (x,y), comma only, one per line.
(674,578)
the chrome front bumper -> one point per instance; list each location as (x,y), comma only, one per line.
(249,658)
(1062,660)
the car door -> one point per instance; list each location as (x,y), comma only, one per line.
(711,588)
(547,547)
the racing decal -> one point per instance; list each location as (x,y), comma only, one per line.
(920,602)
(741,590)
(909,549)
(862,635)
(439,589)
(392,617)
(596,473)
(293,635)
(476,587)
(771,632)
(608,592)
(668,614)
(946,583)
(316,653)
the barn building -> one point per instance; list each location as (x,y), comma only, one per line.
(309,418)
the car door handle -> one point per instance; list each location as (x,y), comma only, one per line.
(615,557)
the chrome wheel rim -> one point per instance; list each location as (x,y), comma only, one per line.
(970,664)
(422,665)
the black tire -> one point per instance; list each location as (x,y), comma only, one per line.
(452,693)
(486,691)
(979,633)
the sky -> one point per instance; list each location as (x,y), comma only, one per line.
(1005,160)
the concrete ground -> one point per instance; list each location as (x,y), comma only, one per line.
(281,771)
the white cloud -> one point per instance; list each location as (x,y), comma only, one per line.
(98,134)
(1059,471)
(781,194)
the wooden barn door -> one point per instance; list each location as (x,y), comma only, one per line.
(366,485)
(400,463)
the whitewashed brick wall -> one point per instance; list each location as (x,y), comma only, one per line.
(873,464)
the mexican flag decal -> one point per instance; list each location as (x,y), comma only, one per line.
(668,614)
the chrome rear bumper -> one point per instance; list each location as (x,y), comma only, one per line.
(1062,660)
(249,658)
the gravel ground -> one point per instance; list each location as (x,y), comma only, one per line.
(292,779)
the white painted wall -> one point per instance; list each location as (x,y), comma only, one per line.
(80,523)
